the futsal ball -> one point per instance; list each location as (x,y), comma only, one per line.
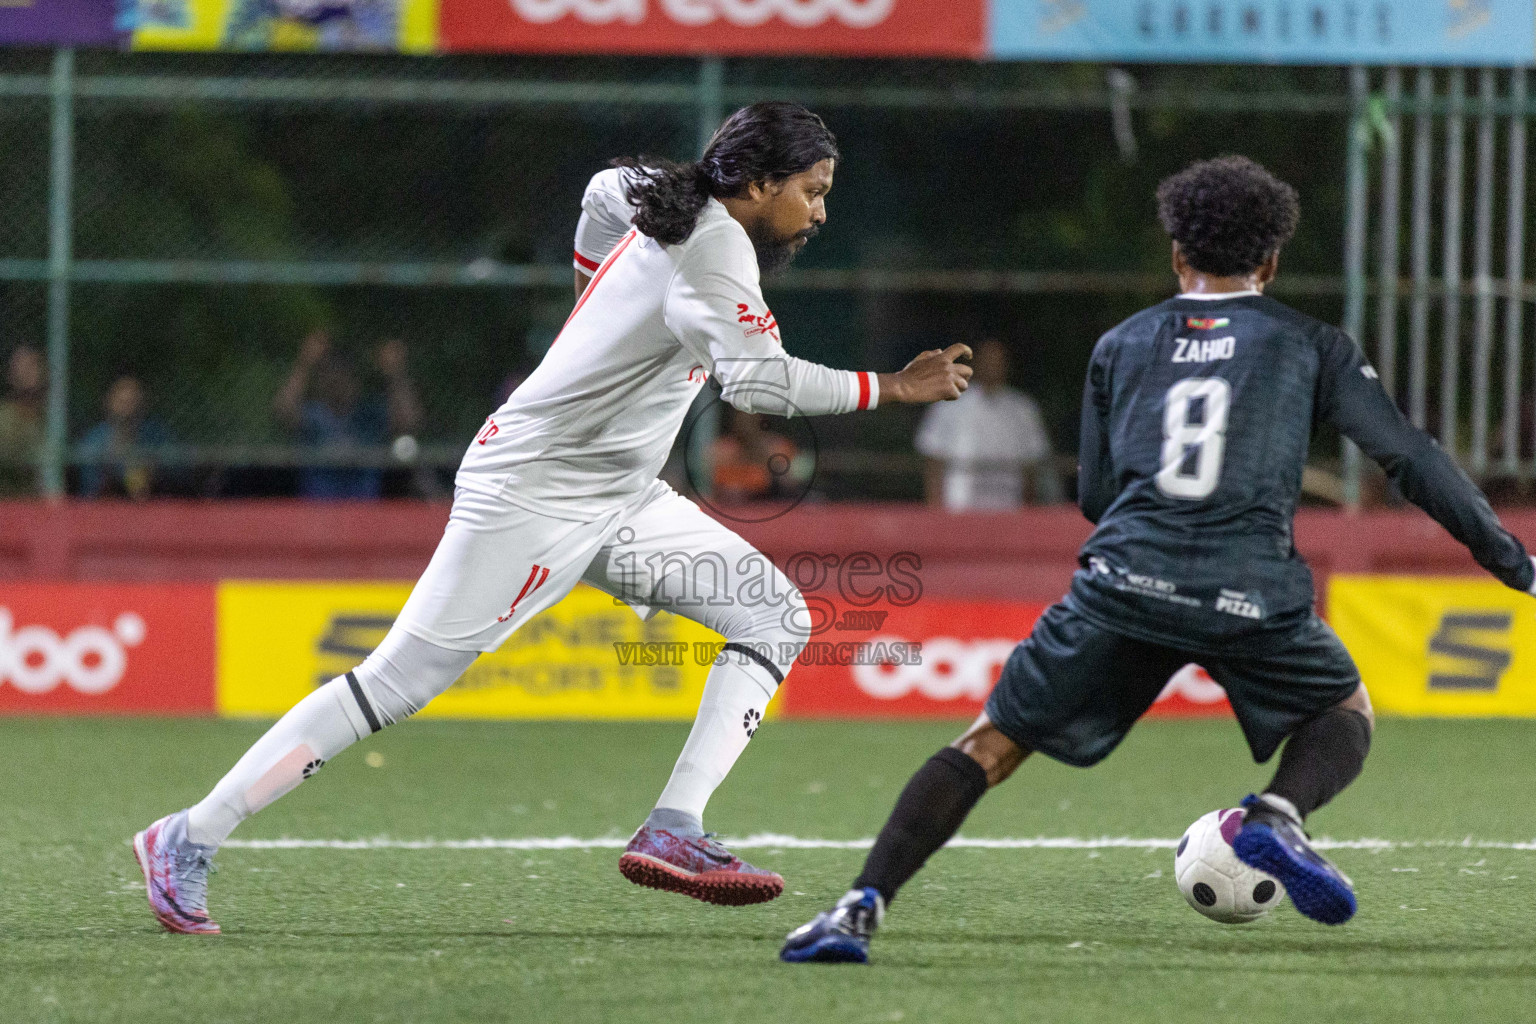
(1211,877)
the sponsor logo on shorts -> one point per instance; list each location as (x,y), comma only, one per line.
(1151,586)
(1237,602)
(751,720)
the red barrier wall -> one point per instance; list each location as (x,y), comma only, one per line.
(1023,556)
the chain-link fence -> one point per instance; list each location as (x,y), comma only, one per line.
(188,221)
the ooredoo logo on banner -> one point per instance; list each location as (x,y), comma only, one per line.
(953,28)
(939,659)
(86,648)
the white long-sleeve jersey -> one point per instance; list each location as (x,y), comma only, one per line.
(605,217)
(594,423)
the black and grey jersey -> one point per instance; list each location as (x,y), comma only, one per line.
(1197,419)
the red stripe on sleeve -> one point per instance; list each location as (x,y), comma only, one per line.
(864,390)
(592,284)
(586,264)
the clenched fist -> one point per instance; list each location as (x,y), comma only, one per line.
(933,376)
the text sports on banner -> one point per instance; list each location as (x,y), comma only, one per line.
(588,657)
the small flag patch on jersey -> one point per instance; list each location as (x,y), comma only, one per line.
(1206,323)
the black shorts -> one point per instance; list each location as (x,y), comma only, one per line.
(1073,689)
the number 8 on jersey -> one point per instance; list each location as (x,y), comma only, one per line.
(1194,437)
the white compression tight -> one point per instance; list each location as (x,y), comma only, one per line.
(405,673)
(392,683)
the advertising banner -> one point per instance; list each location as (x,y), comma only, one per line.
(936,659)
(1441,646)
(75,648)
(57,23)
(1451,32)
(587,657)
(592,658)
(406,26)
(748,28)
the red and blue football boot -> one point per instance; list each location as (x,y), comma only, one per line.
(697,866)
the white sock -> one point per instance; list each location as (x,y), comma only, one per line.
(398,679)
(315,730)
(1282,805)
(735,695)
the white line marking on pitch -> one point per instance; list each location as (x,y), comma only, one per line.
(777,842)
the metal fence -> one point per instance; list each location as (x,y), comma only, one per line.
(84,253)
(1461,369)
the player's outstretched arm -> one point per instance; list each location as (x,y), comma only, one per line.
(1351,397)
(715,308)
(934,376)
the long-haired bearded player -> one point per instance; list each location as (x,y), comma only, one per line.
(560,487)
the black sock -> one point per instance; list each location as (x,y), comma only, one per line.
(928,812)
(1321,758)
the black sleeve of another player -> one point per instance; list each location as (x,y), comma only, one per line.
(1352,399)
(1095,469)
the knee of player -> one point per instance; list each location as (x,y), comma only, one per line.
(405,673)
(1360,703)
(793,621)
(997,754)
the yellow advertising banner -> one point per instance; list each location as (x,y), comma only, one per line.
(406,26)
(587,657)
(1439,646)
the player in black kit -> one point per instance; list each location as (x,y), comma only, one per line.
(1197,416)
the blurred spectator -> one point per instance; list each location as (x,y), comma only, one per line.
(323,403)
(749,462)
(22,421)
(117,454)
(985,447)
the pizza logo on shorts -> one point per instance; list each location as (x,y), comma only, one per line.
(754,325)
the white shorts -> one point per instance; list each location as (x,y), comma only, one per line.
(498,565)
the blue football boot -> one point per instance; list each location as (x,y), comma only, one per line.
(840,935)
(1272,841)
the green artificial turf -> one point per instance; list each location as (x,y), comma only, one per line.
(1445,933)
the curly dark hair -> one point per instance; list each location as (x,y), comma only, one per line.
(1228,214)
(765,142)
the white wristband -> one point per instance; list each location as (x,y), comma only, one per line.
(1533,568)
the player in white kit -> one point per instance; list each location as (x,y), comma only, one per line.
(560,486)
